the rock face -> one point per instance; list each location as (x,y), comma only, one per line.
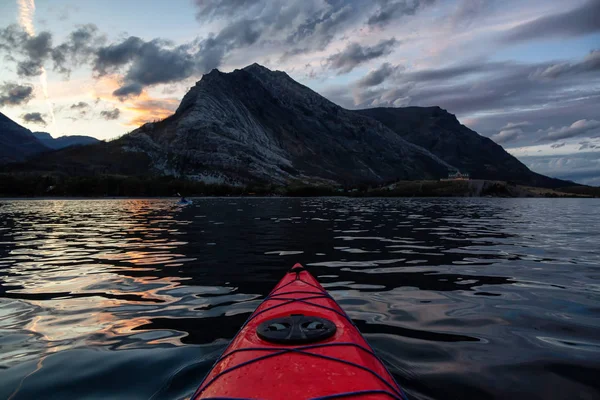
(16,142)
(257,124)
(64,141)
(442,134)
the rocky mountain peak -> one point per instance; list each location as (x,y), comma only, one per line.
(258,125)
(254,123)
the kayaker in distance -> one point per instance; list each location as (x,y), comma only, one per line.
(183,200)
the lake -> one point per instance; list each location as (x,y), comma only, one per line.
(461,298)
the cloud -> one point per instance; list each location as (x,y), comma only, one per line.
(37,49)
(13,94)
(507,135)
(111,114)
(582,20)
(12,37)
(147,63)
(209,9)
(591,63)
(320,27)
(275,27)
(34,51)
(512,125)
(80,46)
(506,88)
(581,167)
(588,145)
(510,132)
(111,58)
(34,118)
(558,145)
(132,89)
(286,29)
(241,33)
(355,54)
(390,10)
(577,128)
(79,106)
(468,11)
(379,75)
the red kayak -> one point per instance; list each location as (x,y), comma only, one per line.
(299,344)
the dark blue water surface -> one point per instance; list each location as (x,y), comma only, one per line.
(461,298)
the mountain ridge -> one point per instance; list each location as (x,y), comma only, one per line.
(64,141)
(258,125)
(441,132)
(18,143)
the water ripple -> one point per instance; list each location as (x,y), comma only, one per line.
(462,298)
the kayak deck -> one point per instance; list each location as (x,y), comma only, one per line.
(340,365)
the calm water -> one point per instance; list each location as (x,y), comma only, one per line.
(135,299)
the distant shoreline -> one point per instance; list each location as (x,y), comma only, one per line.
(124,187)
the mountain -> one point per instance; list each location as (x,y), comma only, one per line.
(442,134)
(64,141)
(16,142)
(254,124)
(258,125)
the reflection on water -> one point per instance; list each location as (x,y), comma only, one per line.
(462,298)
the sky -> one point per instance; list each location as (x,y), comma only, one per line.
(524,73)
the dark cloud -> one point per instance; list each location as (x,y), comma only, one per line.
(241,33)
(155,63)
(319,29)
(34,118)
(379,75)
(585,145)
(558,145)
(80,106)
(291,28)
(132,89)
(112,57)
(147,63)
(582,20)
(80,46)
(81,109)
(111,114)
(355,54)
(390,10)
(29,68)
(12,38)
(34,51)
(13,94)
(490,86)
(489,95)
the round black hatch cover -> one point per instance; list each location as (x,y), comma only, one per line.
(296,329)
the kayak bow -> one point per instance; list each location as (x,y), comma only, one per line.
(299,344)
